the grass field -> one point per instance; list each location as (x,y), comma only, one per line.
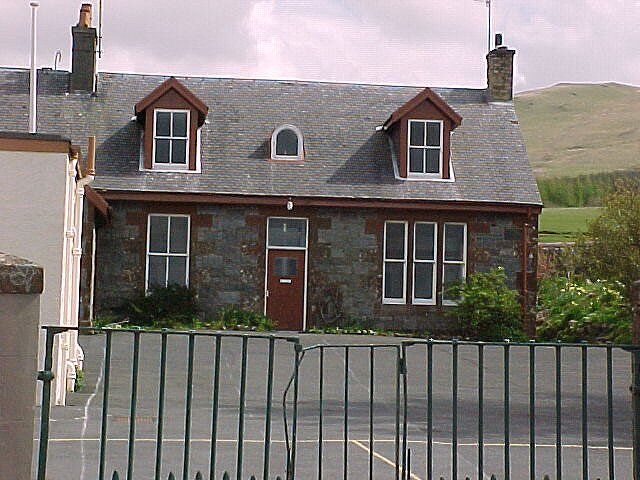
(573,129)
(563,224)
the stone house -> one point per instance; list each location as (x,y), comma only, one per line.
(313,202)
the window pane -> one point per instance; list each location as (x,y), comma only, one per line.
(180,124)
(424,241)
(162,151)
(287,143)
(177,271)
(423,281)
(433,134)
(158,234)
(163,124)
(415,160)
(286,266)
(157,271)
(454,242)
(178,235)
(394,237)
(433,161)
(452,274)
(417,133)
(287,232)
(393,280)
(179,151)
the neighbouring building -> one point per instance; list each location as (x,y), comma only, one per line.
(42,191)
(313,202)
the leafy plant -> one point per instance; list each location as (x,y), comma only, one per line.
(234,318)
(610,248)
(80,381)
(487,308)
(348,329)
(575,309)
(111,321)
(162,307)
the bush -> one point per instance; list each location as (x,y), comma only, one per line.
(610,248)
(574,310)
(162,307)
(487,308)
(234,318)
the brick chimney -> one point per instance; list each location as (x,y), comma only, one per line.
(500,72)
(83,54)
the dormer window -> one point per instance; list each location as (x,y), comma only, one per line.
(171,117)
(170,138)
(425,147)
(419,133)
(286,143)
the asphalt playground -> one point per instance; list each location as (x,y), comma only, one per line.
(75,429)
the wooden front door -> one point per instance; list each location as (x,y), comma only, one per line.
(286,288)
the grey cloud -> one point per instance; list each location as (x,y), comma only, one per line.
(435,42)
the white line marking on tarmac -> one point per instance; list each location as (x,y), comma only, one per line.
(86,419)
(383,459)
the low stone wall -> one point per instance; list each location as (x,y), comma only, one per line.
(21,283)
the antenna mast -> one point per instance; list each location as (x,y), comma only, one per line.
(488,26)
(488,5)
(33,75)
(100,29)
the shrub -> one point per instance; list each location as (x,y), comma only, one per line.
(574,310)
(234,318)
(610,248)
(487,308)
(162,307)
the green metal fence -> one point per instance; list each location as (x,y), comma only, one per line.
(358,410)
(211,342)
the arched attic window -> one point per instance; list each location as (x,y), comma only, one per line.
(286,143)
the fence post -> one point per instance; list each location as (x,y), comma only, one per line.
(635,387)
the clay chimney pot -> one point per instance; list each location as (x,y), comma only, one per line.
(85,15)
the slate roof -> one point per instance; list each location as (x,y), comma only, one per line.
(345,157)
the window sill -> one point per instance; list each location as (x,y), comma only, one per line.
(393,301)
(426,177)
(417,301)
(169,170)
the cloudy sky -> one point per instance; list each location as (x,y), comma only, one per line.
(414,42)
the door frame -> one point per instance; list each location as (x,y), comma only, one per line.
(306,263)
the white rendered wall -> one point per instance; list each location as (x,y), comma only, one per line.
(35,208)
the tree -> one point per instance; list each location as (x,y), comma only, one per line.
(610,248)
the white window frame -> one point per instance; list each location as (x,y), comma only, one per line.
(425,147)
(403,300)
(274,137)
(306,264)
(155,254)
(171,166)
(306,233)
(434,261)
(453,262)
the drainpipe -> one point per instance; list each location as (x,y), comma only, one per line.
(76,354)
(525,270)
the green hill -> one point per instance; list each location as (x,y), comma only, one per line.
(581,129)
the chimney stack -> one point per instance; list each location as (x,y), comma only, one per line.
(500,72)
(83,55)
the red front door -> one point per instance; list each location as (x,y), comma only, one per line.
(285,288)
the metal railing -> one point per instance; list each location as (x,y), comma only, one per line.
(213,342)
(527,363)
(383,409)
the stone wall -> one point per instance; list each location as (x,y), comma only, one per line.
(227,259)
